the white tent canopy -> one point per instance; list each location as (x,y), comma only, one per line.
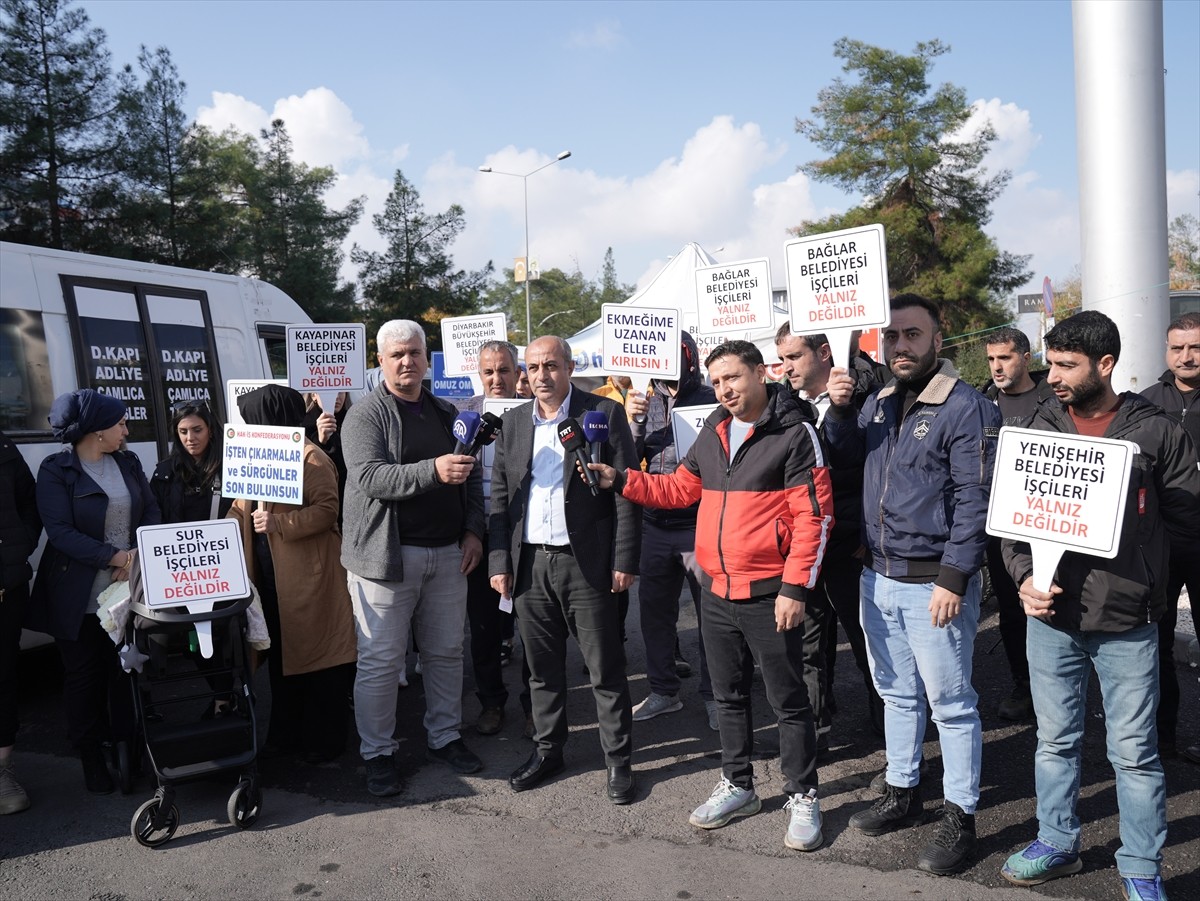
(673,287)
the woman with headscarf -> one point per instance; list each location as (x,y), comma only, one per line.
(187,483)
(92,498)
(293,554)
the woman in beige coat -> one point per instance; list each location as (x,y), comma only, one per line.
(293,555)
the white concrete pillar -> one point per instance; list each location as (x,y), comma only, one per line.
(1121,150)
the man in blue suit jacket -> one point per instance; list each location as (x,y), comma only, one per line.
(563,554)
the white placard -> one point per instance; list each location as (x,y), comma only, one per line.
(235,388)
(462,336)
(837,280)
(326,359)
(497,406)
(641,342)
(263,463)
(194,562)
(688,423)
(1060,493)
(734,297)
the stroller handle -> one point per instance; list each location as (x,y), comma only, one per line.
(168,614)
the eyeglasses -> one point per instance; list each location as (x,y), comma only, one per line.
(181,406)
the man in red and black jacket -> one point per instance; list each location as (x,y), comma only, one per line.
(766,510)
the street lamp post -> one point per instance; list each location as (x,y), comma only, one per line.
(525,184)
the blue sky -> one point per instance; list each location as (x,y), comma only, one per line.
(680,116)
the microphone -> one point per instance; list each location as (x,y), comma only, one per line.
(489,428)
(466,426)
(569,435)
(595,431)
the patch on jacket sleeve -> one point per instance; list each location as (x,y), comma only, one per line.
(991,431)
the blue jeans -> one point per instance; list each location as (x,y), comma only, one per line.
(912,660)
(1126,664)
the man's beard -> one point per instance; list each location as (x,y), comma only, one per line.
(925,365)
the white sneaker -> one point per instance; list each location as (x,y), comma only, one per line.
(804,822)
(726,802)
(656,704)
(711,708)
(12,797)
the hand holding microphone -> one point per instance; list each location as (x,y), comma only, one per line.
(454,468)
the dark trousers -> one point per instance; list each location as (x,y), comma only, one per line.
(554,601)
(97,693)
(12,613)
(1184,570)
(1012,615)
(487,624)
(736,635)
(839,587)
(309,711)
(668,560)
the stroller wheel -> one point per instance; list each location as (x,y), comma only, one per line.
(125,766)
(244,805)
(142,825)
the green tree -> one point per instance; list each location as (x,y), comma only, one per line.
(57,105)
(1183,246)
(899,144)
(295,240)
(156,155)
(561,303)
(414,276)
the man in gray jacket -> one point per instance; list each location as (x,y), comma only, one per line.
(413,515)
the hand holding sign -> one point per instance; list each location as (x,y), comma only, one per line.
(840,387)
(1058,492)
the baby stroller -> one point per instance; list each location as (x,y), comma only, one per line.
(195,712)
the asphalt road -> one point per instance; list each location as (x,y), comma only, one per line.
(447,836)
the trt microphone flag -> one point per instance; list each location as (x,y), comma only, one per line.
(571,437)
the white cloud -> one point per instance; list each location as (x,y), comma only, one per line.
(233,110)
(602,36)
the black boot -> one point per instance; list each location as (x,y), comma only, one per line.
(95,771)
(951,848)
(897,808)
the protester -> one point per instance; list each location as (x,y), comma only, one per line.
(489,624)
(20,528)
(668,542)
(927,443)
(766,508)
(1175,393)
(292,556)
(1017,392)
(1101,614)
(562,553)
(92,498)
(807,361)
(323,428)
(414,521)
(187,482)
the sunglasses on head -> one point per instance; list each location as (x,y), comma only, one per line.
(183,406)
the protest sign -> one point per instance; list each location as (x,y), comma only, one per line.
(1060,493)
(734,297)
(837,283)
(442,385)
(263,463)
(235,388)
(192,564)
(327,359)
(462,336)
(641,342)
(688,423)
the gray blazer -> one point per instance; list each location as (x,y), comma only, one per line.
(377,483)
(605,531)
